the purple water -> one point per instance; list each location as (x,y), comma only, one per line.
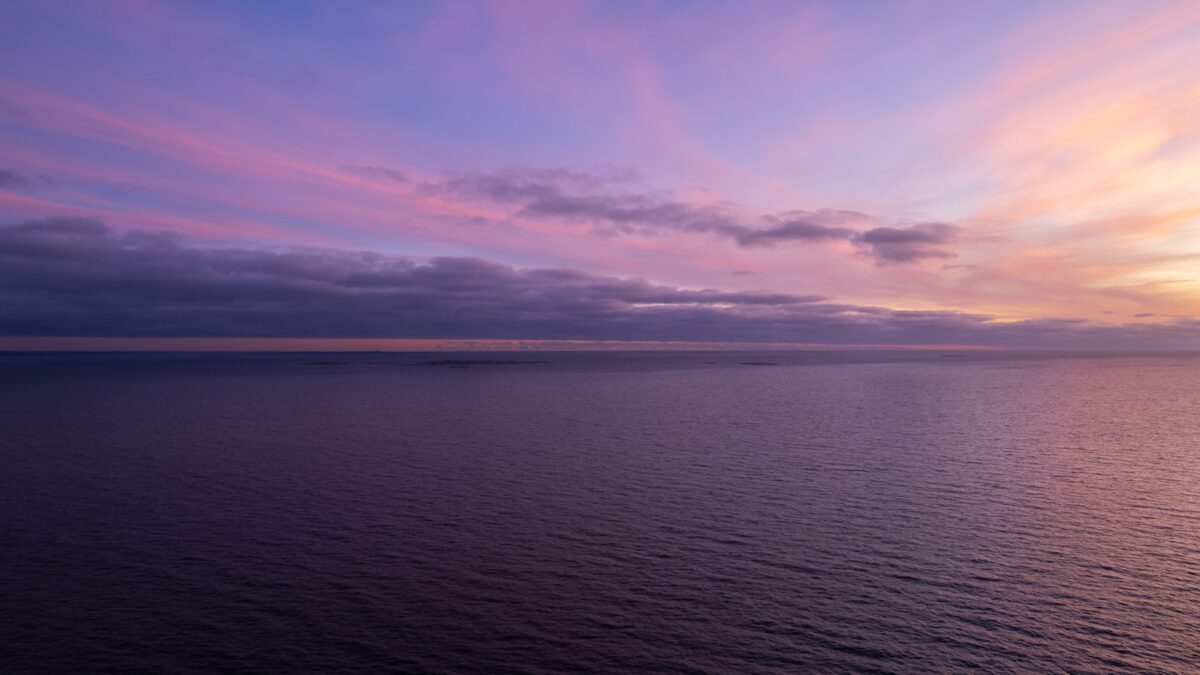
(885,512)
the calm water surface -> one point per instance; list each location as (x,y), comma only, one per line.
(625,513)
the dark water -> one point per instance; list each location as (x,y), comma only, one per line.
(625,513)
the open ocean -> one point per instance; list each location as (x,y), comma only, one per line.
(623,512)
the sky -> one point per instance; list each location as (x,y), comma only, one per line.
(992,173)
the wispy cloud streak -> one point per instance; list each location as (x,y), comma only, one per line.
(579,196)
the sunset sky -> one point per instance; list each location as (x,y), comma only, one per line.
(991,173)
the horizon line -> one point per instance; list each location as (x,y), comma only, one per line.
(238,344)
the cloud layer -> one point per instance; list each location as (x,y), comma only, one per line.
(569,195)
(78,277)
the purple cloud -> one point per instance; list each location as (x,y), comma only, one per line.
(378,174)
(907,244)
(583,197)
(826,224)
(78,277)
(12,180)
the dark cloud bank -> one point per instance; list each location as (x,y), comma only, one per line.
(78,277)
(579,196)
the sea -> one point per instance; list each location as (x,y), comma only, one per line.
(622,512)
